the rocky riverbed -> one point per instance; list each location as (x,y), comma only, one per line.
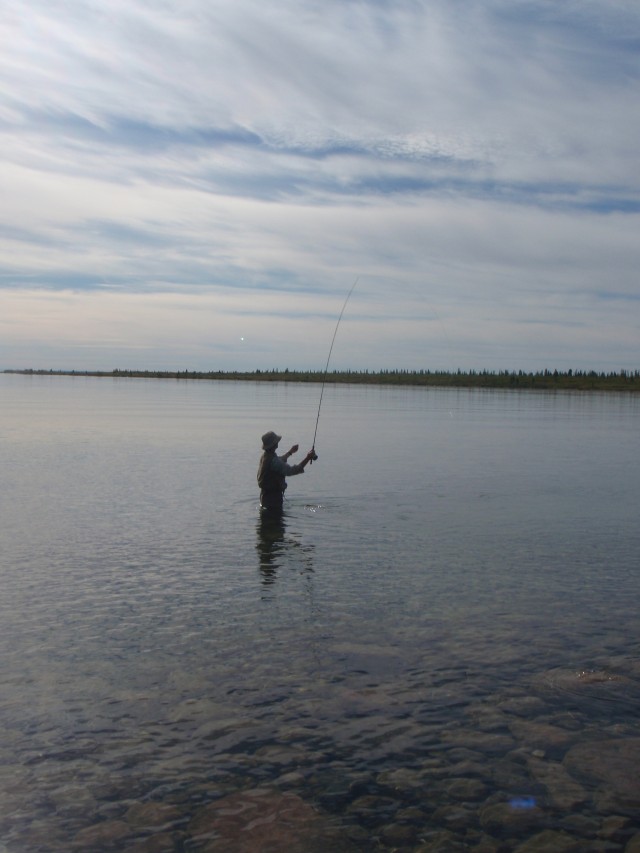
(553,767)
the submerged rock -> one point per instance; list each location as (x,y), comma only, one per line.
(550,841)
(505,817)
(540,735)
(402,779)
(101,835)
(73,800)
(454,817)
(465,790)
(563,790)
(484,742)
(616,828)
(152,814)
(262,820)
(399,834)
(633,845)
(161,843)
(612,765)
(585,681)
(522,706)
(579,824)
(442,842)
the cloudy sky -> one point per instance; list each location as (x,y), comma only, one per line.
(197,184)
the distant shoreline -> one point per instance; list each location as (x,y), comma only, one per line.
(544,380)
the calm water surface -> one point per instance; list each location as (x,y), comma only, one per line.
(436,649)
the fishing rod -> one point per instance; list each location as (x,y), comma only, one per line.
(326,369)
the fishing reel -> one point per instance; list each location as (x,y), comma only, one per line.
(314,456)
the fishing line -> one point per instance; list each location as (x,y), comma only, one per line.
(326,369)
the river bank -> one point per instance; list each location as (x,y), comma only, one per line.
(543,380)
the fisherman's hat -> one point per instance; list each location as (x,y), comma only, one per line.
(270,440)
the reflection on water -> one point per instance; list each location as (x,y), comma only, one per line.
(277,548)
(438,652)
(270,544)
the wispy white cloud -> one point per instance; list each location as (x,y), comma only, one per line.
(474,162)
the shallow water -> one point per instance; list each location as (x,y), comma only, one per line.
(436,646)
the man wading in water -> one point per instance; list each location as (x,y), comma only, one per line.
(273,469)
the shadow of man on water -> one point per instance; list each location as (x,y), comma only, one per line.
(275,547)
(270,543)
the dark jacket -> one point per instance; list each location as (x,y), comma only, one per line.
(272,472)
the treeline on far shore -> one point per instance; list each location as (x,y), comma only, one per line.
(578,380)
